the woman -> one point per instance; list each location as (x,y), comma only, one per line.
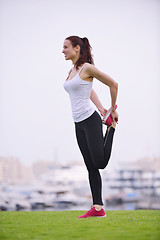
(95,148)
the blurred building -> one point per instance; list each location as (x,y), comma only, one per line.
(145,164)
(42,166)
(13,171)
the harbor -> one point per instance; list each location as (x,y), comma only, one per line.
(67,188)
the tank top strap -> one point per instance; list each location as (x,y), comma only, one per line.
(82,68)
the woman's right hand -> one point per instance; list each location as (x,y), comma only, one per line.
(114,115)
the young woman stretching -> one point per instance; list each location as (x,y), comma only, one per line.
(95,148)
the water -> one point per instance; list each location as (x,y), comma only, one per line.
(125,206)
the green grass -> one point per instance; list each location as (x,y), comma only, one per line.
(64,225)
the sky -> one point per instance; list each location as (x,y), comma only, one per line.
(35,113)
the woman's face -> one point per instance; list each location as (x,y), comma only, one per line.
(69,51)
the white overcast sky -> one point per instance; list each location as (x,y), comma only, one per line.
(35,111)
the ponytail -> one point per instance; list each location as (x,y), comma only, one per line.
(85,50)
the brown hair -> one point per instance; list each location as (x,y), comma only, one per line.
(85,50)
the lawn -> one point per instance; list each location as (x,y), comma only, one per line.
(64,225)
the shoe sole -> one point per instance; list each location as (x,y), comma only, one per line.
(107,115)
(96,216)
(100,216)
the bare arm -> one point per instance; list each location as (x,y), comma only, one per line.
(92,71)
(94,98)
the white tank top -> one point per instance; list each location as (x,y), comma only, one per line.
(79,91)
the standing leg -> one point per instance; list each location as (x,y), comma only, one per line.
(94,175)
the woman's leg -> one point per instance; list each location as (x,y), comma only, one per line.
(94,175)
(99,147)
(108,141)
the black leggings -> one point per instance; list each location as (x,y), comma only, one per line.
(96,151)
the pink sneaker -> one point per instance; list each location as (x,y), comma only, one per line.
(108,118)
(94,213)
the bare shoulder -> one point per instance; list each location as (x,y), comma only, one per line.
(84,74)
(88,66)
(91,70)
(94,72)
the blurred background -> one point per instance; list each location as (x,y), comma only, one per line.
(41,166)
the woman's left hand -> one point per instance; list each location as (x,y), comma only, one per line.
(103,112)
